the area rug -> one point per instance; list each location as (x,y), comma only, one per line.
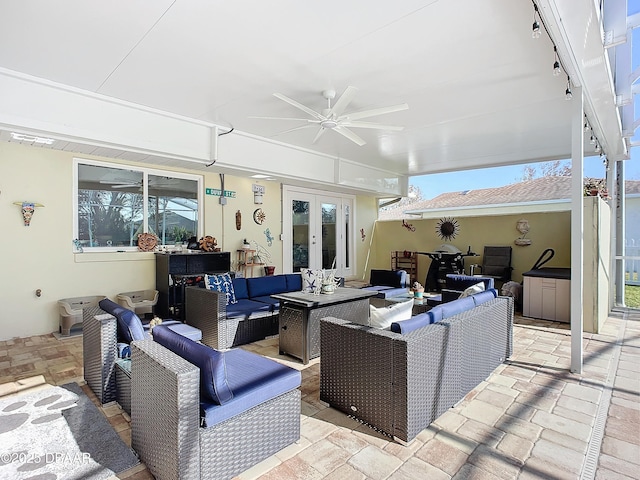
(58,433)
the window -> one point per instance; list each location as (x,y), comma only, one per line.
(114,204)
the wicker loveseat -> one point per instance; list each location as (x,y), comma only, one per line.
(198,413)
(253,317)
(401,382)
(107,326)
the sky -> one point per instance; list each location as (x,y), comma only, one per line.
(433,185)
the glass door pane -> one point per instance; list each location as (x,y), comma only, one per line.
(329,234)
(301,235)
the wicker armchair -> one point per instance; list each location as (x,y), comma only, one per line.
(165,421)
(399,383)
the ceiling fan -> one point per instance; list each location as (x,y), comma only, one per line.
(332,118)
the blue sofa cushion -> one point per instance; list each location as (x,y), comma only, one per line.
(214,385)
(244,308)
(128,324)
(272,302)
(261,286)
(460,305)
(240,288)
(294,282)
(414,323)
(253,379)
(223,284)
(480,298)
(389,278)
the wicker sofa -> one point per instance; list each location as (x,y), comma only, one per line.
(106,326)
(253,317)
(400,381)
(198,413)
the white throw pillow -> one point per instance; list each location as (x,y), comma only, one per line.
(311,280)
(383,317)
(472,290)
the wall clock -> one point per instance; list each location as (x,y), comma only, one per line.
(259,216)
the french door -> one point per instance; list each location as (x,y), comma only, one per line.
(317,230)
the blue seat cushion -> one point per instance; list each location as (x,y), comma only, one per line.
(294,282)
(253,379)
(212,364)
(275,304)
(405,326)
(240,288)
(128,324)
(482,297)
(261,286)
(244,308)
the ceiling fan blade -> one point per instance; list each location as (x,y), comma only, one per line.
(292,130)
(345,132)
(376,111)
(343,102)
(290,101)
(379,126)
(282,118)
(319,134)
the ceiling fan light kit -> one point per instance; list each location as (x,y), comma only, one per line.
(332,118)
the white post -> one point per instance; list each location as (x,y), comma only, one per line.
(577,222)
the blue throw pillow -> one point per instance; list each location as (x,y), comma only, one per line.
(213,369)
(223,284)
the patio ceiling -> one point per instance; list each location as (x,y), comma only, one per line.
(480,89)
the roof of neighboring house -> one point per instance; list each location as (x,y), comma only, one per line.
(538,189)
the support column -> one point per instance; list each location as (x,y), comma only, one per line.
(620,229)
(577,225)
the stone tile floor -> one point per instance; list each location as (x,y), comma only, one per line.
(531,418)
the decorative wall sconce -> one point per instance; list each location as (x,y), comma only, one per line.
(258,193)
(28,209)
(523,227)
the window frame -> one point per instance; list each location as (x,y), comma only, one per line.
(145,171)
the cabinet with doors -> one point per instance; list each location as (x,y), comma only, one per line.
(175,271)
(547,294)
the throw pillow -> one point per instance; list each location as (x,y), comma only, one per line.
(311,280)
(223,284)
(383,317)
(472,290)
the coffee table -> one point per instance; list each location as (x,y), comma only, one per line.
(300,315)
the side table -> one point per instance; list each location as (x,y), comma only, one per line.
(123,383)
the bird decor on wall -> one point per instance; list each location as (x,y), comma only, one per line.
(447,228)
(408,226)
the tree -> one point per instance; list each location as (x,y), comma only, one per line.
(556,168)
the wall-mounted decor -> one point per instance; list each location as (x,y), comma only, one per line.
(238,220)
(362,234)
(28,209)
(258,193)
(523,227)
(147,242)
(259,216)
(447,228)
(408,226)
(267,234)
(208,244)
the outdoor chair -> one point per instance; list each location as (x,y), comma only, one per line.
(496,263)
